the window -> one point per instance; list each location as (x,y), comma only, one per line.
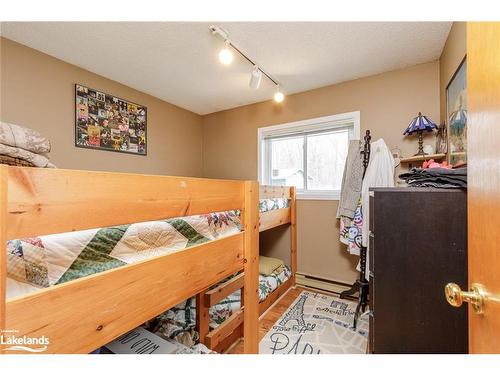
(309,155)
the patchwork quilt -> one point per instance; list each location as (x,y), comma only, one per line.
(54,259)
(273,204)
(179,322)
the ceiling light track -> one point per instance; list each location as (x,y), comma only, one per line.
(254,63)
(225,57)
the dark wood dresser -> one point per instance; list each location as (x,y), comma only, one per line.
(418,243)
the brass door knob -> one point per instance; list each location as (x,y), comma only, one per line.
(456,297)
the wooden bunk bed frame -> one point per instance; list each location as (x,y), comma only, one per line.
(80,316)
(224,336)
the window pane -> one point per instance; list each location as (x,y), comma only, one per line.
(287,162)
(326,156)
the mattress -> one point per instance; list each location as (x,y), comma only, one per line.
(179,322)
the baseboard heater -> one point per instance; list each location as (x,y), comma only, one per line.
(320,283)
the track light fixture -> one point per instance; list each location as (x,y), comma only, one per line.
(225,54)
(255,78)
(226,57)
(278,95)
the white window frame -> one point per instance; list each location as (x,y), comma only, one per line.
(332,122)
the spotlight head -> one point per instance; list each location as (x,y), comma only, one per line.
(225,54)
(255,78)
(278,95)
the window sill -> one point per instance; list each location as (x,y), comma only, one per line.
(318,197)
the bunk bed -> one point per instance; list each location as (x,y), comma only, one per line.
(84,313)
(277,207)
(276,217)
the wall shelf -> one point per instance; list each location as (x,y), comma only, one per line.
(412,159)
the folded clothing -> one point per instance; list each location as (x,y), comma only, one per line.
(436,178)
(9,160)
(267,265)
(431,163)
(36,160)
(25,138)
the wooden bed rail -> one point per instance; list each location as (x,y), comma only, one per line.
(271,191)
(120,299)
(215,295)
(84,314)
(216,338)
(274,218)
(45,201)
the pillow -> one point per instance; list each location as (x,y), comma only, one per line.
(268,265)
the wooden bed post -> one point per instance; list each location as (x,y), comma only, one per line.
(3,241)
(293,232)
(202,316)
(251,268)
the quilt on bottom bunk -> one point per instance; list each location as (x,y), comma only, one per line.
(180,321)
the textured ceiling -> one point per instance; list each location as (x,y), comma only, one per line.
(177,62)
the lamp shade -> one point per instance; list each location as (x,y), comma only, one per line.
(419,124)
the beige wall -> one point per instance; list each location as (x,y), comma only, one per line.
(37,91)
(453,53)
(387,103)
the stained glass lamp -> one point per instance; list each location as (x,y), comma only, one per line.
(418,125)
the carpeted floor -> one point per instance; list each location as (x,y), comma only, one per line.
(317,324)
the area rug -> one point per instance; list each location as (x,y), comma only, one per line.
(317,324)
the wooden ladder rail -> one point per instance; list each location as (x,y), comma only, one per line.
(248,282)
(209,298)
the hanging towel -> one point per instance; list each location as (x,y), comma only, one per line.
(351,181)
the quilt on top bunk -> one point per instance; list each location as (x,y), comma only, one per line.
(54,259)
(179,322)
(273,204)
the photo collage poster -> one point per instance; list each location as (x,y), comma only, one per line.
(106,122)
